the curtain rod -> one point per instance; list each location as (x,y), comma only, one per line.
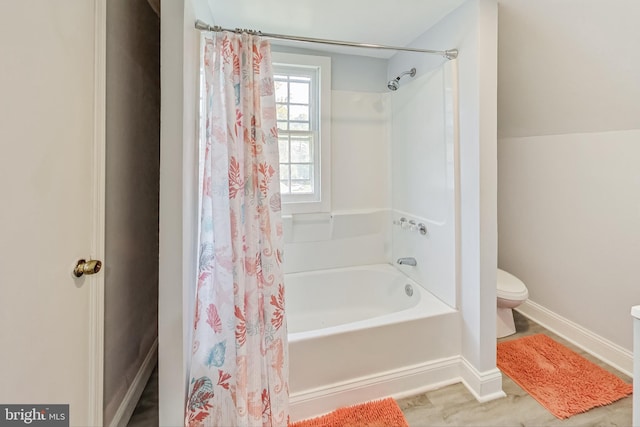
(449,54)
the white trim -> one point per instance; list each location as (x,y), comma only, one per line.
(131,398)
(636,367)
(96,285)
(610,353)
(484,386)
(178,222)
(398,383)
(323,63)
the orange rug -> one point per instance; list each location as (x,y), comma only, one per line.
(378,413)
(559,379)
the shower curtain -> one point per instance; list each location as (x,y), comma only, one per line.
(239,367)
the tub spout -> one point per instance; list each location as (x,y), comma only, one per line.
(407,261)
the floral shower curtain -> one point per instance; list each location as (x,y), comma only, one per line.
(239,368)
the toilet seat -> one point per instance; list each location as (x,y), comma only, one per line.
(509,287)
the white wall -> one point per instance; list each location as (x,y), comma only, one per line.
(179,58)
(423,152)
(359,152)
(569,225)
(569,120)
(472,28)
(356,231)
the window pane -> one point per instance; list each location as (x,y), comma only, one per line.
(284,179)
(283,149)
(283,111)
(301,150)
(282,94)
(300,172)
(296,92)
(299,112)
(301,179)
(299,125)
(301,187)
(299,93)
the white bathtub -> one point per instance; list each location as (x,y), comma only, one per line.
(355,335)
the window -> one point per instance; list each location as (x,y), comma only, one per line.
(303,104)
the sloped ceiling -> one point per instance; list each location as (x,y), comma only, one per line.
(568,66)
(396,22)
(564,66)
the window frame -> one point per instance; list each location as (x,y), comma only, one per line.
(320,66)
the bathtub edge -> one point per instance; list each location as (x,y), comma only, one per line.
(398,383)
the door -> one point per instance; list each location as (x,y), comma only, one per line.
(51,187)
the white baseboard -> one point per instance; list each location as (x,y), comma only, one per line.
(484,386)
(610,353)
(397,384)
(130,399)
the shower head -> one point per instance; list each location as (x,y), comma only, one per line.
(395,83)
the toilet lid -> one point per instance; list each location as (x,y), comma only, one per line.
(510,287)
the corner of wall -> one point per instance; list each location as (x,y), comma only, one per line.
(178,200)
(484,386)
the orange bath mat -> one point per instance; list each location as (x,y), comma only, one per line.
(559,379)
(378,413)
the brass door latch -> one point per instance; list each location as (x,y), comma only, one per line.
(87,267)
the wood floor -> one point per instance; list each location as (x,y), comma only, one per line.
(455,406)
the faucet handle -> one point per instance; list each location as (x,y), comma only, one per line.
(407,261)
(410,224)
(403,222)
(400,221)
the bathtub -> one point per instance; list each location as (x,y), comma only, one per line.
(363,333)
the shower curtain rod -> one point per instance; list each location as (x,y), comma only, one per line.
(449,54)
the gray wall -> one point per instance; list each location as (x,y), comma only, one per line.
(568,186)
(348,72)
(132,187)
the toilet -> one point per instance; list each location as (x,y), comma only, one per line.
(511,292)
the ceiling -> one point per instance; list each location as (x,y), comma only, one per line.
(394,23)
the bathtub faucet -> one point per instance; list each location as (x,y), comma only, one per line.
(407,261)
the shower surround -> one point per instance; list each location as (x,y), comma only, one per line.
(348,258)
